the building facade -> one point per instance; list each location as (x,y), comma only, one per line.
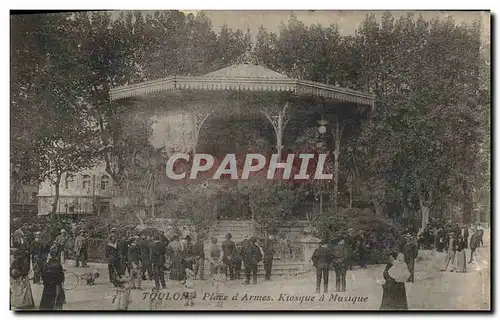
(88,192)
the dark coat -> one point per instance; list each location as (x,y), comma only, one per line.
(112,254)
(145,250)
(20,267)
(53,293)
(164,240)
(198,249)
(39,251)
(410,251)
(394,293)
(322,258)
(158,252)
(133,254)
(123,249)
(474,241)
(269,248)
(252,255)
(228,248)
(339,255)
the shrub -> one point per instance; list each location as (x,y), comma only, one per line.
(381,234)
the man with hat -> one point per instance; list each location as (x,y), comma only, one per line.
(145,251)
(81,246)
(451,248)
(134,262)
(158,252)
(350,243)
(410,252)
(62,245)
(228,250)
(39,253)
(251,259)
(269,250)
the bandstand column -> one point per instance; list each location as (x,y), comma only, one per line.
(199,115)
(279,120)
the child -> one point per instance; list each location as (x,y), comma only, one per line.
(155,303)
(123,299)
(189,285)
(218,281)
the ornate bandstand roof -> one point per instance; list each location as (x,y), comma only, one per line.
(243,77)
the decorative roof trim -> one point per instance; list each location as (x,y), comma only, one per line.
(299,87)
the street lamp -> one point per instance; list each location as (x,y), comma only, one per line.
(322,126)
(321,147)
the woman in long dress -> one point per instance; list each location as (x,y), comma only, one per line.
(21,296)
(394,291)
(176,252)
(460,255)
(53,296)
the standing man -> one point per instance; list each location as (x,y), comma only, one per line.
(158,252)
(269,250)
(339,255)
(474,244)
(466,237)
(113,260)
(251,260)
(451,248)
(215,256)
(351,247)
(123,253)
(410,252)
(228,249)
(78,248)
(362,250)
(134,261)
(199,256)
(145,250)
(321,259)
(39,256)
(62,245)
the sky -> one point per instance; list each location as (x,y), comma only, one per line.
(347,20)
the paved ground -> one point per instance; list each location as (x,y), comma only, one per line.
(432,290)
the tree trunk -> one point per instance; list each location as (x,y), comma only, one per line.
(56,195)
(424,214)
(350,198)
(468,207)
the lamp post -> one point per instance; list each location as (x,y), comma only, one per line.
(321,147)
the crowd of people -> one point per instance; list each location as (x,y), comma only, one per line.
(337,255)
(134,259)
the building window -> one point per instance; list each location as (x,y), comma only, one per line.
(86,181)
(34,197)
(68,181)
(104,182)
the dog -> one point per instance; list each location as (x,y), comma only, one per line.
(89,277)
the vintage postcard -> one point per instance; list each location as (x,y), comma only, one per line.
(250,160)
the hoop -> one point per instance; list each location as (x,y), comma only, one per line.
(73,275)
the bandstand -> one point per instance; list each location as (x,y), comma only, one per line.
(249,88)
(248,92)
